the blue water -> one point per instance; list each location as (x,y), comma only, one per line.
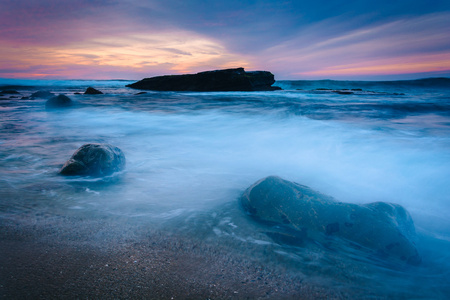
(190,155)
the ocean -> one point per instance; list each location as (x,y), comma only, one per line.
(190,156)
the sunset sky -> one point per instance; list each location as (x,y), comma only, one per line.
(132,39)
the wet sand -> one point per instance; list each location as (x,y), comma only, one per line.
(36,265)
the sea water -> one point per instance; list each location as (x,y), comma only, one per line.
(191,155)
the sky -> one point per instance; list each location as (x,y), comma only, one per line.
(133,39)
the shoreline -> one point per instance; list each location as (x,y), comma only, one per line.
(160,267)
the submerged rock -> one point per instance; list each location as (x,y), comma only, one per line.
(42,95)
(59,101)
(218,80)
(92,91)
(385,228)
(94,160)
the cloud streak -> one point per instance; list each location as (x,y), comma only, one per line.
(412,45)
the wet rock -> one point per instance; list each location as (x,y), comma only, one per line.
(42,95)
(60,101)
(25,98)
(92,91)
(385,228)
(9,92)
(94,160)
(219,80)
(141,93)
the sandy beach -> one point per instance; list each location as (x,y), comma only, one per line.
(33,266)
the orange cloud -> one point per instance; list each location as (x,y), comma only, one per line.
(176,51)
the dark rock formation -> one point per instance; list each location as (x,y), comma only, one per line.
(385,228)
(94,160)
(92,91)
(59,101)
(219,80)
(42,95)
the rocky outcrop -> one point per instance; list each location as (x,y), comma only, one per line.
(60,101)
(219,80)
(94,160)
(385,228)
(92,91)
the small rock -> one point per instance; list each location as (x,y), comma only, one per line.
(94,160)
(141,93)
(59,101)
(92,91)
(42,95)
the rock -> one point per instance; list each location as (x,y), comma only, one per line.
(42,95)
(219,80)
(59,101)
(92,91)
(94,160)
(77,93)
(141,93)
(25,98)
(9,92)
(385,228)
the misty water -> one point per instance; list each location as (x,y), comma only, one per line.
(191,155)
